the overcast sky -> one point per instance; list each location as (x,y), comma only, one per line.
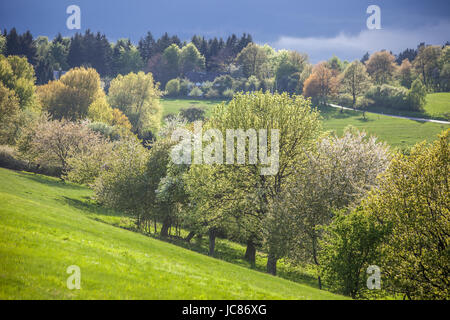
(320,28)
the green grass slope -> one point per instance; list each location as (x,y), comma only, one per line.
(437,107)
(397,132)
(45,227)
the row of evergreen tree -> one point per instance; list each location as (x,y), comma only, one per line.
(95,50)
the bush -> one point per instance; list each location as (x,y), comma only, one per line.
(51,143)
(196,92)
(9,114)
(109,132)
(173,88)
(229,93)
(417,95)
(350,244)
(223,83)
(193,114)
(9,160)
(252,84)
(85,166)
(185,87)
(389,96)
(212,94)
(207,85)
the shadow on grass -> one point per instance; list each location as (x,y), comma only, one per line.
(333,113)
(89,206)
(225,251)
(50,181)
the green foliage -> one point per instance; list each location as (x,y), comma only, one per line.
(210,186)
(291,70)
(192,114)
(2,44)
(228,94)
(196,92)
(389,96)
(413,197)
(9,115)
(253,59)
(126,58)
(191,59)
(71,96)
(350,244)
(426,63)
(53,142)
(18,75)
(119,184)
(252,84)
(355,80)
(213,94)
(173,88)
(223,83)
(417,95)
(137,96)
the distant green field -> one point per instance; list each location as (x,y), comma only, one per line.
(173,106)
(47,225)
(437,107)
(400,133)
(397,132)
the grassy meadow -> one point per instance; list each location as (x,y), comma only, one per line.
(399,133)
(48,225)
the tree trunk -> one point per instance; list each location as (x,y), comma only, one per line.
(165,228)
(272,264)
(250,252)
(190,236)
(212,241)
(316,261)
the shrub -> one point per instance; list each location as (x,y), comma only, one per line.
(9,114)
(207,85)
(108,132)
(192,114)
(9,159)
(212,94)
(196,92)
(85,166)
(173,88)
(350,244)
(389,96)
(51,143)
(185,87)
(252,84)
(223,82)
(229,93)
(417,95)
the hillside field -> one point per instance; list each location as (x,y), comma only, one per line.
(47,225)
(399,133)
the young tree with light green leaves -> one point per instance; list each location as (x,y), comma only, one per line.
(231,192)
(355,80)
(414,197)
(137,96)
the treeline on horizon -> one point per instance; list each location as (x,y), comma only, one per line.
(110,59)
(122,57)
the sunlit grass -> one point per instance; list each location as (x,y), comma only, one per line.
(47,225)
